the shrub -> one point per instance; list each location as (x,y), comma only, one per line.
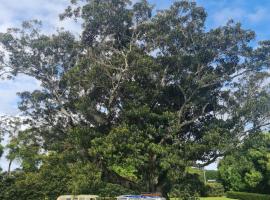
(190,186)
(214,190)
(112,190)
(247,196)
(106,198)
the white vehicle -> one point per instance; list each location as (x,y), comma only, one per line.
(139,197)
(78,197)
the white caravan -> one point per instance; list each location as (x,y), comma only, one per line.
(78,197)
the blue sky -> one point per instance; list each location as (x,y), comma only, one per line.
(253,14)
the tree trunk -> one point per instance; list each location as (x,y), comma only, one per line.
(163,185)
(163,191)
(9,167)
(113,177)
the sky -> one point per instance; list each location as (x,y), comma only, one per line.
(253,14)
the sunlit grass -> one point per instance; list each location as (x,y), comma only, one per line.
(209,198)
(214,198)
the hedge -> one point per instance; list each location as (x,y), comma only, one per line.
(106,198)
(247,196)
(214,190)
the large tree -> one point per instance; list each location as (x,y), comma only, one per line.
(141,95)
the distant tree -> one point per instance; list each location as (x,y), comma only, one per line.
(248,167)
(22,145)
(9,127)
(140,96)
(211,175)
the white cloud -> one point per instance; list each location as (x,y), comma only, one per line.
(9,90)
(13,13)
(259,15)
(9,101)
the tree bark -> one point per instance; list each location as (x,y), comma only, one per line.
(9,167)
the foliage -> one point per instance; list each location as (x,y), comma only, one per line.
(113,190)
(191,185)
(214,190)
(247,168)
(54,178)
(247,196)
(212,175)
(209,174)
(137,99)
(106,198)
(7,186)
(18,146)
(50,181)
(215,198)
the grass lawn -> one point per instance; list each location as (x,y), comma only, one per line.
(209,198)
(215,198)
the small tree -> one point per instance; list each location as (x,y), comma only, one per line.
(247,168)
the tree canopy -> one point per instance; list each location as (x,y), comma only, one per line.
(248,168)
(140,95)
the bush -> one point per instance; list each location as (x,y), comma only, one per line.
(214,190)
(247,196)
(106,198)
(112,190)
(190,186)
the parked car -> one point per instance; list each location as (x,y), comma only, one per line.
(140,197)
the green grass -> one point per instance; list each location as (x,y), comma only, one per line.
(209,198)
(215,198)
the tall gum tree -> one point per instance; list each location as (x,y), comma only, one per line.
(143,96)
